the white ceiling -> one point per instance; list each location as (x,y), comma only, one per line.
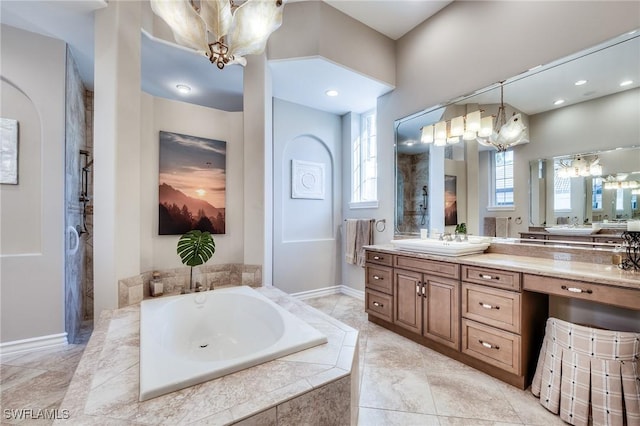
(165,65)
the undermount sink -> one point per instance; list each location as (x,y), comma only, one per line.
(573,230)
(443,248)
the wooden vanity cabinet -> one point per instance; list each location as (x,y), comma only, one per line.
(501,325)
(426,303)
(480,316)
(379,285)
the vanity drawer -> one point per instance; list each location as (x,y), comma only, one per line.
(379,304)
(379,258)
(607,239)
(379,278)
(433,267)
(609,295)
(496,347)
(492,277)
(492,306)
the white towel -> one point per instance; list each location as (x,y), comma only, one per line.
(502,227)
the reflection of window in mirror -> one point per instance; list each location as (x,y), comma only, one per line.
(619,200)
(364,163)
(596,194)
(561,190)
(501,183)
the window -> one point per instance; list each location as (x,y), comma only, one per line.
(596,191)
(364,164)
(619,199)
(502,180)
(561,190)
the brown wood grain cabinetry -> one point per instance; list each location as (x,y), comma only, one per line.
(477,315)
(609,295)
(379,285)
(428,304)
(501,325)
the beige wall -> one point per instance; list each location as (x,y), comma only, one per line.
(159,251)
(314,28)
(32,213)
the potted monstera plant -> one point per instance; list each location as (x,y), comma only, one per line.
(195,248)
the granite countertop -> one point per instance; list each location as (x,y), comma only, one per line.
(557,268)
(104,388)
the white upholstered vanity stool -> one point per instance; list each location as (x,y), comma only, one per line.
(584,371)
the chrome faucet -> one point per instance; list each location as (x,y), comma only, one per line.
(445,236)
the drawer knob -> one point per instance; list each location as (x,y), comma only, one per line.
(576,289)
(376,277)
(488,277)
(379,305)
(489,345)
(532,237)
(487,306)
(377,258)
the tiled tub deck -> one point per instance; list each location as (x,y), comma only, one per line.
(315,386)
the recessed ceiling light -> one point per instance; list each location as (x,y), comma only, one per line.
(559,102)
(331,93)
(626,83)
(580,82)
(183,88)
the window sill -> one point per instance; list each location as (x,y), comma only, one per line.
(501,208)
(363,205)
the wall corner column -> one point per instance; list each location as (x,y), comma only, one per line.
(117,116)
(258,169)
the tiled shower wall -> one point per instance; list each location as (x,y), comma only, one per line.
(74,140)
(87,282)
(413,174)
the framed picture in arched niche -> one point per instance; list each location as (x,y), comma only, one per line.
(192,184)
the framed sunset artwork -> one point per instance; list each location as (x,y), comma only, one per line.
(192,184)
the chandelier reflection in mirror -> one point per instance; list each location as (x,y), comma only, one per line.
(222,30)
(502,136)
(579,167)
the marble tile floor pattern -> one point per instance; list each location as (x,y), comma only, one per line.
(401,382)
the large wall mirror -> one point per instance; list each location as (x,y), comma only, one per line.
(592,187)
(439,185)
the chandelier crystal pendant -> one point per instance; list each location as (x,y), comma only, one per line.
(505,134)
(223,30)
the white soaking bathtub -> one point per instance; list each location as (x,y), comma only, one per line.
(192,338)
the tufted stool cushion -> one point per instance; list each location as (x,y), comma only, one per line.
(586,371)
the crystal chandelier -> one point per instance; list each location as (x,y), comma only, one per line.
(223,30)
(473,126)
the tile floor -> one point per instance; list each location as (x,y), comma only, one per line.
(402,383)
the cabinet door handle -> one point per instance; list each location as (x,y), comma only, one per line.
(576,289)
(424,290)
(418,288)
(487,306)
(488,277)
(378,258)
(379,305)
(489,345)
(376,277)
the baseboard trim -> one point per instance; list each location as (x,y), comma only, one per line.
(327,291)
(33,344)
(358,294)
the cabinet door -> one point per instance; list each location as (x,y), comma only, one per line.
(441,321)
(407,301)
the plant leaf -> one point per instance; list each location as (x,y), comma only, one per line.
(196,247)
